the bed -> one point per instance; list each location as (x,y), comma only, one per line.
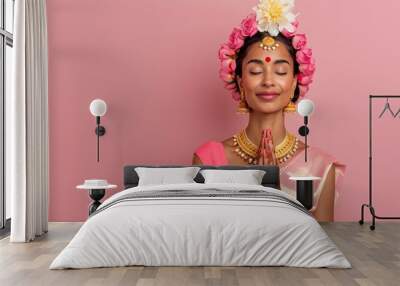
(201,224)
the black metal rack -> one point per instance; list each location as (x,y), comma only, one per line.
(369,205)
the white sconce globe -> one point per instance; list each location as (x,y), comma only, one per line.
(305,107)
(98,107)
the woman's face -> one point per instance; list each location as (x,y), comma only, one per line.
(267,79)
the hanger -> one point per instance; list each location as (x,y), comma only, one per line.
(387,107)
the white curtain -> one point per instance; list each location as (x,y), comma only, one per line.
(27,123)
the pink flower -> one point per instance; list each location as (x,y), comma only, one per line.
(228,65)
(236,40)
(249,25)
(225,52)
(299,41)
(303,90)
(230,86)
(304,79)
(307,69)
(288,34)
(304,56)
(235,96)
(226,76)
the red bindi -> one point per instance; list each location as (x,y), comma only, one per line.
(267,59)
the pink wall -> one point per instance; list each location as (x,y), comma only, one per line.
(155,64)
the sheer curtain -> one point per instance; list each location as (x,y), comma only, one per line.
(27,124)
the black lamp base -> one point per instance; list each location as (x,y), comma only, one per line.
(100,130)
(96,195)
(304,193)
(303,131)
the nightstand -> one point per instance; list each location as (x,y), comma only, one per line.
(97,190)
(304,189)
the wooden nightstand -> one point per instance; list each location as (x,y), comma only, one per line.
(97,190)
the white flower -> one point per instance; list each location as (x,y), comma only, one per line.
(274,16)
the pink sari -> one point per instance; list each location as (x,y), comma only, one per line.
(318,164)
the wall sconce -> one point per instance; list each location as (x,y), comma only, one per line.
(305,108)
(98,108)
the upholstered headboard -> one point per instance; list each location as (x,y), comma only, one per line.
(270,179)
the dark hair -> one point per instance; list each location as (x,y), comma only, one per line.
(258,38)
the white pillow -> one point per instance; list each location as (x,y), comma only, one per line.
(162,176)
(248,177)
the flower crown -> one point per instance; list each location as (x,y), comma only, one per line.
(274,17)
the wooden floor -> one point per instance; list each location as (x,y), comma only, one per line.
(375,256)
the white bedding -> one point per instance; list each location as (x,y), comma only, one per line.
(183,231)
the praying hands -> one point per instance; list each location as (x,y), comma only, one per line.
(266,149)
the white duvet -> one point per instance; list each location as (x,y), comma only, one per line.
(200,231)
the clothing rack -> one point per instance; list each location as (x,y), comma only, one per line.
(370,205)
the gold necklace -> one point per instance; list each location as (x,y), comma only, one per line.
(247,150)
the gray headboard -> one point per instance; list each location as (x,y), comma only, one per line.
(271,177)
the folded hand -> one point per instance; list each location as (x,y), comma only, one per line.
(266,149)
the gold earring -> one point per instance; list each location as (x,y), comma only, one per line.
(242,108)
(291,107)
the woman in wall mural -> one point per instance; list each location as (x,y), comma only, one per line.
(267,67)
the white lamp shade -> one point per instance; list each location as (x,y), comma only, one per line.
(305,107)
(98,107)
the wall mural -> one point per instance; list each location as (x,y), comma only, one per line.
(268,68)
